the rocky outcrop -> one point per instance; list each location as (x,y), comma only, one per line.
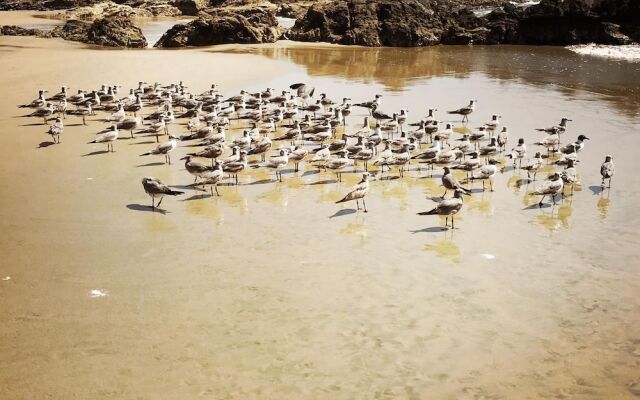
(555,22)
(116,32)
(111,32)
(12,30)
(369,23)
(252,25)
(428,22)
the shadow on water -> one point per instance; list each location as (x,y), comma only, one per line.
(397,68)
(140,207)
(151,164)
(596,189)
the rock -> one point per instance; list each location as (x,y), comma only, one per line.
(74,30)
(12,30)
(190,7)
(253,25)
(370,23)
(112,32)
(106,9)
(116,32)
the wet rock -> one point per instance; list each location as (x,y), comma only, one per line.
(252,25)
(190,7)
(74,30)
(370,23)
(12,30)
(112,32)
(116,32)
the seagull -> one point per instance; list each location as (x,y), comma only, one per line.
(212,152)
(37,103)
(276,162)
(261,147)
(62,95)
(55,130)
(155,188)
(163,148)
(358,192)
(337,164)
(490,148)
(469,165)
(486,172)
(551,141)
(533,165)
(377,114)
(550,187)
(518,152)
(502,139)
(451,183)
(365,155)
(303,91)
(43,112)
(607,169)
(129,124)
(576,146)
(465,111)
(195,168)
(108,137)
(556,128)
(234,167)
(322,155)
(448,207)
(371,105)
(570,175)
(156,128)
(292,134)
(298,154)
(213,177)
(492,125)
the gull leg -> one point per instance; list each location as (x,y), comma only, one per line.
(540,203)
(452,217)
(365,205)
(357,204)
(491,184)
(216,187)
(153,200)
(161,198)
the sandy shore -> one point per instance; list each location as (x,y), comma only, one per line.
(272,291)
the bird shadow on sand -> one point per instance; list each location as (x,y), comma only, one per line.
(69,125)
(262,182)
(140,207)
(308,173)
(343,212)
(145,142)
(389,178)
(198,197)
(152,164)
(42,145)
(431,229)
(596,189)
(95,153)
(35,124)
(324,182)
(188,187)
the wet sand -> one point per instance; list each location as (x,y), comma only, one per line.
(272,291)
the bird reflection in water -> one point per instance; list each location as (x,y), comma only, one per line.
(555,217)
(603,204)
(445,248)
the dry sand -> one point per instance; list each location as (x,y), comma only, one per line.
(272,291)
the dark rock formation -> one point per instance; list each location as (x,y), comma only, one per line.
(252,25)
(427,22)
(116,32)
(12,30)
(112,32)
(555,22)
(369,23)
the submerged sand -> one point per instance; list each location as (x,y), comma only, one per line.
(274,292)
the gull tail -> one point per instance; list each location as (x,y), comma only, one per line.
(430,212)
(146,154)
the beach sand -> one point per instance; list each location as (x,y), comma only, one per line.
(272,291)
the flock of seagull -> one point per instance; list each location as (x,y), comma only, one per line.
(312,130)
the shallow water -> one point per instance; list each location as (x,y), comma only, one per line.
(273,291)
